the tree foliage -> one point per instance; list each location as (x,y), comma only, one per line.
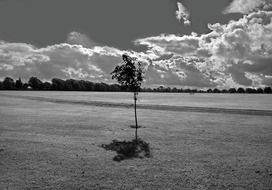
(129,74)
(18,84)
(8,84)
(35,83)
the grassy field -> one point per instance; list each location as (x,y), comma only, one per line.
(234,101)
(48,145)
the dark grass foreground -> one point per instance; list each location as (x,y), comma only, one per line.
(128,149)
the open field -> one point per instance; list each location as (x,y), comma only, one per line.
(46,144)
(231,101)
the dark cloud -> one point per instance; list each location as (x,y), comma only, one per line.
(259,64)
(239,76)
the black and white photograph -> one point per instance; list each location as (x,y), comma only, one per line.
(135,94)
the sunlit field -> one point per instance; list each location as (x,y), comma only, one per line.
(238,101)
(50,144)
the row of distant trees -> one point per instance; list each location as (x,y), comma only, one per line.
(57,84)
(265,90)
(81,85)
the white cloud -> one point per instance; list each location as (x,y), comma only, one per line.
(63,60)
(248,6)
(17,54)
(232,53)
(238,53)
(178,71)
(80,39)
(59,60)
(171,43)
(183,14)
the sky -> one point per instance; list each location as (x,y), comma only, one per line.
(182,43)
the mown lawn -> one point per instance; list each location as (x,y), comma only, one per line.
(58,146)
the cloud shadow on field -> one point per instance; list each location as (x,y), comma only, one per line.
(128,149)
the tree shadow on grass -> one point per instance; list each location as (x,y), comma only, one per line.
(128,149)
(139,126)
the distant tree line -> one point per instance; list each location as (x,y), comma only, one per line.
(57,84)
(265,90)
(81,85)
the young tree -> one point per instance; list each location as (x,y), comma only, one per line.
(130,76)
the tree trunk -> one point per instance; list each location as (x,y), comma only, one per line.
(136,123)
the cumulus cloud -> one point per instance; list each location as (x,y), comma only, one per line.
(77,59)
(59,60)
(80,39)
(95,64)
(232,54)
(178,71)
(235,54)
(171,43)
(183,14)
(248,6)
